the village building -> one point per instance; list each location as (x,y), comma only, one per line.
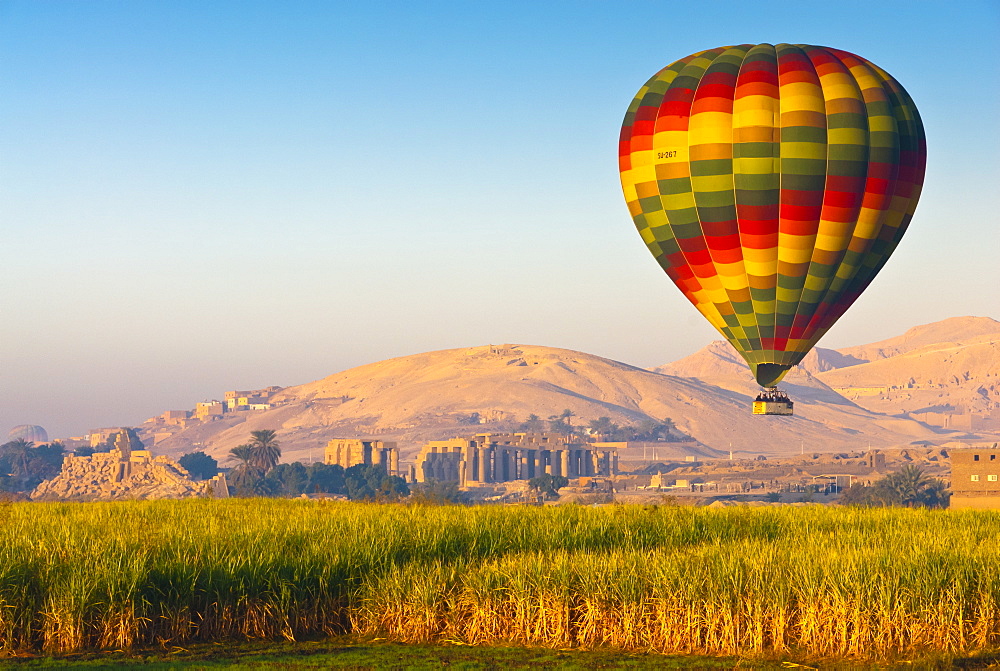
(347,452)
(250,399)
(975,477)
(504,457)
(209,410)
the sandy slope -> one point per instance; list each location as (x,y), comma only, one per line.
(425,396)
(944,377)
(948,366)
(954,330)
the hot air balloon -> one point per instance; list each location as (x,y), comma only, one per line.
(771,183)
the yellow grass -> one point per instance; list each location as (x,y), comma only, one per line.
(821,581)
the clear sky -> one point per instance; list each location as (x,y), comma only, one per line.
(200,196)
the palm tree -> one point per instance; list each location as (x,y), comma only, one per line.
(265,450)
(908,484)
(565,416)
(19,451)
(245,476)
(242,454)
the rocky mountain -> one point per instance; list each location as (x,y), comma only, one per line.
(951,366)
(946,377)
(954,330)
(440,394)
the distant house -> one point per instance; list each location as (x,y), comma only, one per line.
(209,409)
(250,399)
(975,477)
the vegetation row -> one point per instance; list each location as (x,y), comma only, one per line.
(831,582)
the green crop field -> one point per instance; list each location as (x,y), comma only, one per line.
(823,582)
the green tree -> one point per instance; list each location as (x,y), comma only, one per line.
(245,478)
(326,479)
(547,484)
(18,452)
(534,424)
(243,455)
(288,479)
(909,487)
(265,450)
(200,465)
(605,427)
(28,465)
(561,423)
(373,483)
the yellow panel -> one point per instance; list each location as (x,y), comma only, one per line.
(831,243)
(756,166)
(642,157)
(835,85)
(678,201)
(755,111)
(713,183)
(670,141)
(710,128)
(803,150)
(801,96)
(814,283)
(788,254)
(847,136)
(882,123)
(760,268)
(734,269)
(869,221)
(657,218)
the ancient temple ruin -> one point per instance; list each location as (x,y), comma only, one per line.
(125,473)
(502,457)
(349,452)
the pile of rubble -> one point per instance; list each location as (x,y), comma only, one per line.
(124,474)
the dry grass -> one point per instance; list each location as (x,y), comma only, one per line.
(825,582)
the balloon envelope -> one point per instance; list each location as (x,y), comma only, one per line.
(771,183)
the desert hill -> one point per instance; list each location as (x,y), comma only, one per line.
(953,330)
(433,395)
(958,377)
(951,366)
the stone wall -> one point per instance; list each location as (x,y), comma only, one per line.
(114,475)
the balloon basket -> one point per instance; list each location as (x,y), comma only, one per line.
(771,401)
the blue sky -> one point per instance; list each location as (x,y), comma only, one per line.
(204,196)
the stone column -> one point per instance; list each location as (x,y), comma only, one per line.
(439,473)
(463,473)
(484,471)
(469,457)
(394,461)
(564,463)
